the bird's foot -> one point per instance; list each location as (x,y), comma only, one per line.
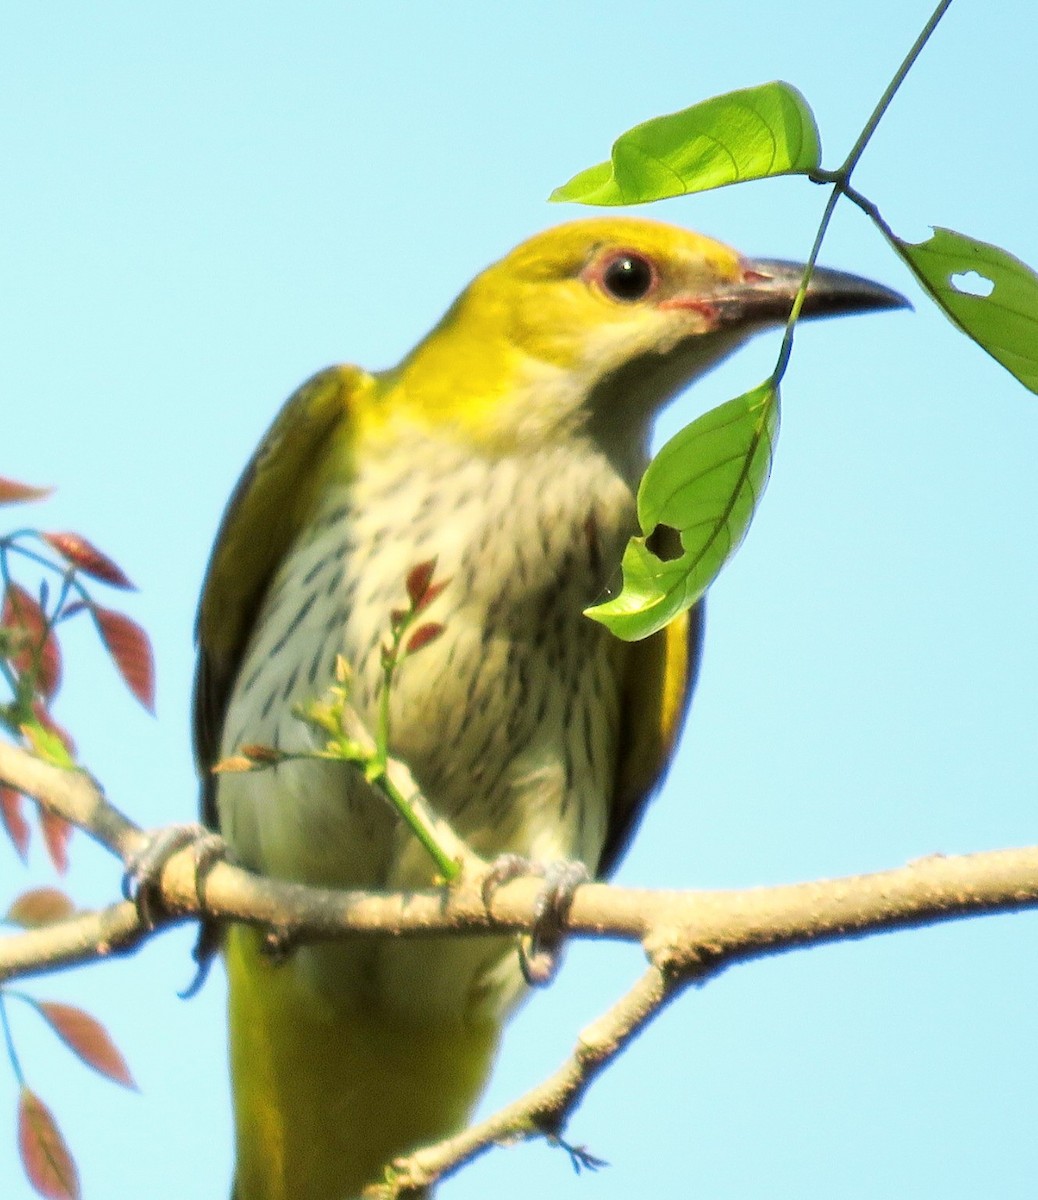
(278,944)
(540,952)
(144,870)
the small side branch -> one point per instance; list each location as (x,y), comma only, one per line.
(83,938)
(545,1109)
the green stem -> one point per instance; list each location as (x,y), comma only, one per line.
(67,581)
(840,180)
(865,136)
(798,303)
(68,572)
(382,733)
(378,774)
(446,865)
(12,1054)
(9,676)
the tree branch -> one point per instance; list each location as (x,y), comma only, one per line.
(687,935)
(83,938)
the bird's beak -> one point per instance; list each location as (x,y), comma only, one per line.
(765,288)
(766,291)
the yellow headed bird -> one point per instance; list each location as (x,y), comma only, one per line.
(508,445)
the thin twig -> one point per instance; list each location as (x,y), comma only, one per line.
(544,1110)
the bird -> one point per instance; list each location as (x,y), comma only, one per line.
(506,448)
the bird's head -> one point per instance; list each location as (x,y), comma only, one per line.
(596,324)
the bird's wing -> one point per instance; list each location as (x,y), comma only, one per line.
(269,506)
(661,673)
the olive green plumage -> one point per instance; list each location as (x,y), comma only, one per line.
(508,446)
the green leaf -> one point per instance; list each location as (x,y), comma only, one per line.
(749,134)
(705,484)
(1004,322)
(47,744)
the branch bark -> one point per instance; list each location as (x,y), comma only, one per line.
(687,935)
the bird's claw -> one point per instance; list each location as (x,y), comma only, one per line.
(278,944)
(541,950)
(144,870)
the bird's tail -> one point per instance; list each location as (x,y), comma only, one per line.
(326,1094)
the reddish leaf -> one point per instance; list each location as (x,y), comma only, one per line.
(38,652)
(13,492)
(422,636)
(130,649)
(430,594)
(87,1038)
(45,1157)
(39,906)
(258,753)
(86,556)
(418,580)
(13,820)
(56,834)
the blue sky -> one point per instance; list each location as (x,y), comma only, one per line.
(203,204)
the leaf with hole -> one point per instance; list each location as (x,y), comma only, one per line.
(749,134)
(704,484)
(1004,319)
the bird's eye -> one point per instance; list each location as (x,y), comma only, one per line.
(628,277)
